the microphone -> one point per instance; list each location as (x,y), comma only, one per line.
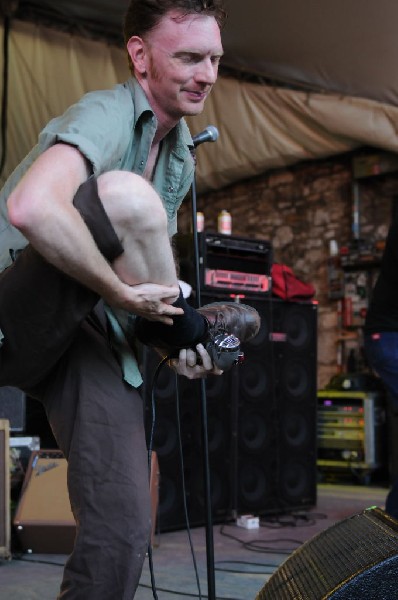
(210,134)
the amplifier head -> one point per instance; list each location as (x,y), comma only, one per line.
(227,263)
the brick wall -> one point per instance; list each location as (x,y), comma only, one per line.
(300,209)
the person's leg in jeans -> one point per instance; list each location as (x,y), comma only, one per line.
(382,353)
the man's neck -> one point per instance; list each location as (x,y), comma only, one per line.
(162,129)
(165,124)
(151,162)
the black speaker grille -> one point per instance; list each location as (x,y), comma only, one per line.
(327,566)
(261,423)
(12,407)
(277,410)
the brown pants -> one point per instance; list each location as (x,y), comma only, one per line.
(56,348)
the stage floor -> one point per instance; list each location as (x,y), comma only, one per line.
(243,559)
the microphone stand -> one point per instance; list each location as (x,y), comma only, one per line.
(211,585)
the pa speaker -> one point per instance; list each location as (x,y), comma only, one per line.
(354,559)
(261,423)
(277,410)
(178,425)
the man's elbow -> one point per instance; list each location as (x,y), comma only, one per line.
(18,214)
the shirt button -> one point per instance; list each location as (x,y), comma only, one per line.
(142,163)
(171,189)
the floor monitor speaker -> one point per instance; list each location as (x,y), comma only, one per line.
(354,559)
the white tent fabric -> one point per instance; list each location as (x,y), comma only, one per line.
(265,127)
(339,47)
(348,47)
(261,126)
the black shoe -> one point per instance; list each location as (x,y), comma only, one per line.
(229,324)
(240,320)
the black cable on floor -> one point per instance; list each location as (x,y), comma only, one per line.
(187,594)
(254,545)
(294,519)
(37,561)
(246,571)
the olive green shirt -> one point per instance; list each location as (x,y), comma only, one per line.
(114,130)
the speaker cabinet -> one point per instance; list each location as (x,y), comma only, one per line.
(12,407)
(354,559)
(178,407)
(43,519)
(277,410)
(261,423)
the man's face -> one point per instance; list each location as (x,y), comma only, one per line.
(180,58)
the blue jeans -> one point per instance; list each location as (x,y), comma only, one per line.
(382,353)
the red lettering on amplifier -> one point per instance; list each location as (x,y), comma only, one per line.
(277,336)
(254,282)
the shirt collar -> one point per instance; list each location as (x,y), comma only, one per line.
(180,132)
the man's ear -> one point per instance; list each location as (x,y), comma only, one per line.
(137,52)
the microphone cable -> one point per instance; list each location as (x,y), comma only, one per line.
(184,496)
(181,457)
(150,447)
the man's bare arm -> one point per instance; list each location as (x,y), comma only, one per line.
(41,207)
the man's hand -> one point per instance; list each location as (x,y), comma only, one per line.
(194,365)
(151,301)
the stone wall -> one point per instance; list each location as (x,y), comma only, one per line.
(300,209)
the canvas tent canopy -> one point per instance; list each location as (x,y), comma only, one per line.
(298,80)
